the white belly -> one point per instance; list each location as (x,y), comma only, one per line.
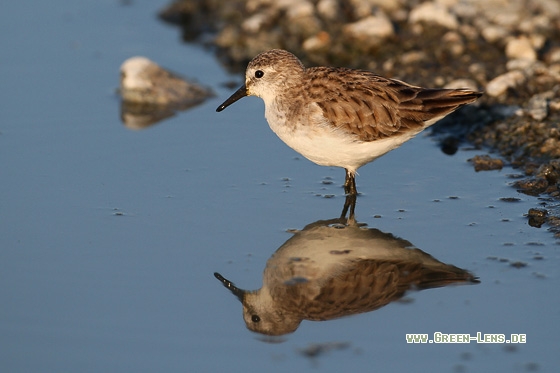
(327,147)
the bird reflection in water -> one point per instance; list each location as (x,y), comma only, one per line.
(335,268)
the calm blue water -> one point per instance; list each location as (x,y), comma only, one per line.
(109,237)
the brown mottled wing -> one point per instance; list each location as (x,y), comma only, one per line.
(371,284)
(373,107)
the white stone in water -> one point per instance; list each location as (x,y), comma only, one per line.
(132,73)
(500,84)
(145,82)
(433,13)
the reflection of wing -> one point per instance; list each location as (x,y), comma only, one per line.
(365,286)
(420,276)
(329,270)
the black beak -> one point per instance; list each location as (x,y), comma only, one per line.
(240,294)
(239,94)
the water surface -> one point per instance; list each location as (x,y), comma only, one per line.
(110,237)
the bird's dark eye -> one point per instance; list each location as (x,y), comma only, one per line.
(255,318)
(259,74)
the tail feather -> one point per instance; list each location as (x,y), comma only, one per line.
(430,105)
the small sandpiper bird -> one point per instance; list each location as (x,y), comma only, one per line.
(342,117)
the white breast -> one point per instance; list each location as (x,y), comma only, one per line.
(323,144)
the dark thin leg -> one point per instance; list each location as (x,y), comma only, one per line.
(349,204)
(350,184)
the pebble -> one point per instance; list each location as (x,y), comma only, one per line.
(387,5)
(433,13)
(413,57)
(328,9)
(552,146)
(486,163)
(521,64)
(372,30)
(454,43)
(300,9)
(532,187)
(537,107)
(549,7)
(360,8)
(500,84)
(537,217)
(493,33)
(521,48)
(254,23)
(318,42)
(550,171)
(553,55)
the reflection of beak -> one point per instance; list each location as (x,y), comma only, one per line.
(239,293)
(239,94)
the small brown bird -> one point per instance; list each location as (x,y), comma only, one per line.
(342,117)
